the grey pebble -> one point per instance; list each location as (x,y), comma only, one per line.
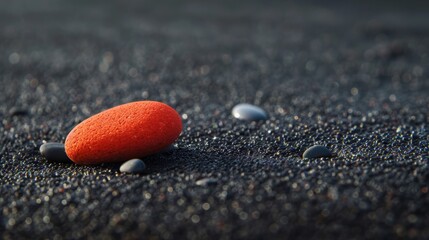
(317,151)
(133,166)
(54,152)
(245,111)
(206,182)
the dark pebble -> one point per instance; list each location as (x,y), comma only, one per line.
(133,166)
(249,112)
(54,152)
(317,151)
(15,111)
(206,182)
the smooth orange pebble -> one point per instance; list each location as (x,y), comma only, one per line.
(131,130)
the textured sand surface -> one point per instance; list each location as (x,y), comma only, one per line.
(351,76)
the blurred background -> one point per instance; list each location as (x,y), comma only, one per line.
(238,49)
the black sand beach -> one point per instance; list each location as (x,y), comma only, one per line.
(350,75)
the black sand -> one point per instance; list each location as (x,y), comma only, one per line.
(348,75)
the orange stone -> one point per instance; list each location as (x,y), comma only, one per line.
(131,130)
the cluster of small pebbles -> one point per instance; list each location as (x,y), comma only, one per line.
(56,152)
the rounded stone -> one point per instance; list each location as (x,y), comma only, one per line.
(206,182)
(249,112)
(133,166)
(54,152)
(132,130)
(317,151)
(16,111)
